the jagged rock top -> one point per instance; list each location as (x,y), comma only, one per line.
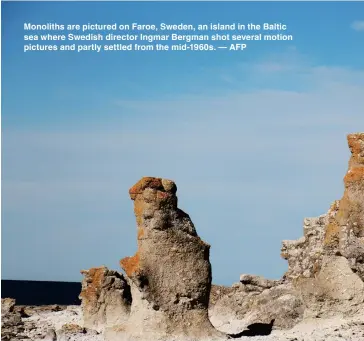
(155,209)
(157,184)
(355,173)
(341,230)
(106,298)
(356,145)
(100,277)
(329,260)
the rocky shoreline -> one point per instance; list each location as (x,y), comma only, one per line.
(52,323)
(166,294)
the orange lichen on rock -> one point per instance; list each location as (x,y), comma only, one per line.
(356,163)
(158,184)
(348,206)
(130,264)
(332,232)
(145,182)
(340,232)
(139,206)
(140,232)
(356,145)
(355,174)
(150,195)
(332,228)
(106,298)
(97,277)
(163,195)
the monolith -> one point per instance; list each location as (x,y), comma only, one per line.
(170,274)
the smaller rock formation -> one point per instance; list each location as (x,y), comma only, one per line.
(257,301)
(51,335)
(12,325)
(170,274)
(73,332)
(7,306)
(253,283)
(106,298)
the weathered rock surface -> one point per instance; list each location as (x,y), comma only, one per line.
(21,323)
(106,298)
(257,304)
(326,265)
(12,325)
(217,292)
(257,300)
(73,331)
(51,335)
(7,306)
(254,283)
(51,323)
(64,325)
(170,274)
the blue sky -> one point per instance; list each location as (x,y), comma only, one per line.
(255,141)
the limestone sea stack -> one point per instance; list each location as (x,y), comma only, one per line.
(169,275)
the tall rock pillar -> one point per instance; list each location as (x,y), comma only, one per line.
(170,274)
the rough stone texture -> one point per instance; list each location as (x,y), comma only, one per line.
(254,283)
(326,265)
(24,322)
(49,325)
(304,255)
(51,335)
(106,298)
(170,274)
(12,325)
(236,311)
(335,289)
(217,292)
(7,305)
(72,331)
(349,237)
